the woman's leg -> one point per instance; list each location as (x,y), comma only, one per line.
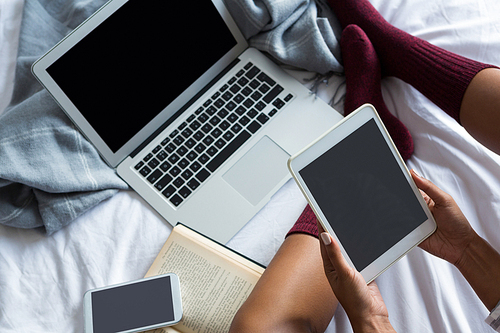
(442,76)
(363,76)
(293,294)
(480,110)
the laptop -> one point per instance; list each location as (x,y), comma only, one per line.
(195,121)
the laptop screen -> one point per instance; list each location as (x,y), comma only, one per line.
(135,63)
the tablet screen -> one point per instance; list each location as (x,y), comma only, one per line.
(364,195)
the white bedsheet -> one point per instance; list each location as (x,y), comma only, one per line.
(43,279)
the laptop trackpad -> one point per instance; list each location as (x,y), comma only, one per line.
(258,171)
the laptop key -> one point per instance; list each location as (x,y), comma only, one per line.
(236,128)
(190,143)
(278,103)
(161,155)
(195,125)
(246,91)
(244,120)
(153,163)
(157,149)
(181,151)
(139,165)
(220,143)
(202,175)
(155,176)
(165,166)
(228,151)
(203,159)
(240,110)
(252,113)
(211,151)
(173,158)
(187,133)
(184,192)
(163,182)
(208,140)
(193,184)
(200,148)
(178,182)
(264,78)
(228,135)
(198,136)
(145,171)
(187,174)
(262,118)
(170,148)
(216,133)
(254,126)
(192,156)
(178,140)
(168,191)
(273,112)
(183,163)
(174,133)
(176,200)
(175,171)
(272,94)
(203,117)
(195,166)
(252,72)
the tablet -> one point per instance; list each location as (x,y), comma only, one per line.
(362,193)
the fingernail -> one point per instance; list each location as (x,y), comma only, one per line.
(416,173)
(325,237)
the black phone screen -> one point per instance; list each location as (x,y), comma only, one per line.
(132,306)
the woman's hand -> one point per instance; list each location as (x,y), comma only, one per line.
(454,233)
(363,303)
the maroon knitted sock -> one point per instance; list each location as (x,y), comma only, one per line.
(363,77)
(438,74)
(306,224)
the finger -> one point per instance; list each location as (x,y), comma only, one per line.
(332,250)
(427,198)
(435,193)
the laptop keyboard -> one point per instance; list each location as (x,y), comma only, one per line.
(207,138)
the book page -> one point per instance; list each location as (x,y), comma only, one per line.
(213,285)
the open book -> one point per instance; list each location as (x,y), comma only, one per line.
(215,281)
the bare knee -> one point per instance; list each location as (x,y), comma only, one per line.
(246,321)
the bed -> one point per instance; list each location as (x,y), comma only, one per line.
(43,278)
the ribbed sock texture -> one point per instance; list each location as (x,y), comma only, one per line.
(363,77)
(438,74)
(306,224)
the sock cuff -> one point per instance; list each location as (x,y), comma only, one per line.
(443,75)
(306,224)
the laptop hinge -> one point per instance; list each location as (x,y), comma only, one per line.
(185,107)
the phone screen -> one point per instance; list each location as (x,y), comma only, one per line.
(364,195)
(132,306)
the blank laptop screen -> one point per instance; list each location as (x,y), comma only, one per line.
(135,63)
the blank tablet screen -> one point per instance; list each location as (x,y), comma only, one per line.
(364,195)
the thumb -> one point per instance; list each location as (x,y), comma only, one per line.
(333,254)
(439,197)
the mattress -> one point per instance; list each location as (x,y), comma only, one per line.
(43,279)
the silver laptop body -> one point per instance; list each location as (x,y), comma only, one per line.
(195,121)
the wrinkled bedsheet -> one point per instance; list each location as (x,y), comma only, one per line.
(43,279)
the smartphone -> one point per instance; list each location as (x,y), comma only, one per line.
(134,306)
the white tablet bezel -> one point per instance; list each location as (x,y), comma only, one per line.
(39,70)
(176,302)
(325,142)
